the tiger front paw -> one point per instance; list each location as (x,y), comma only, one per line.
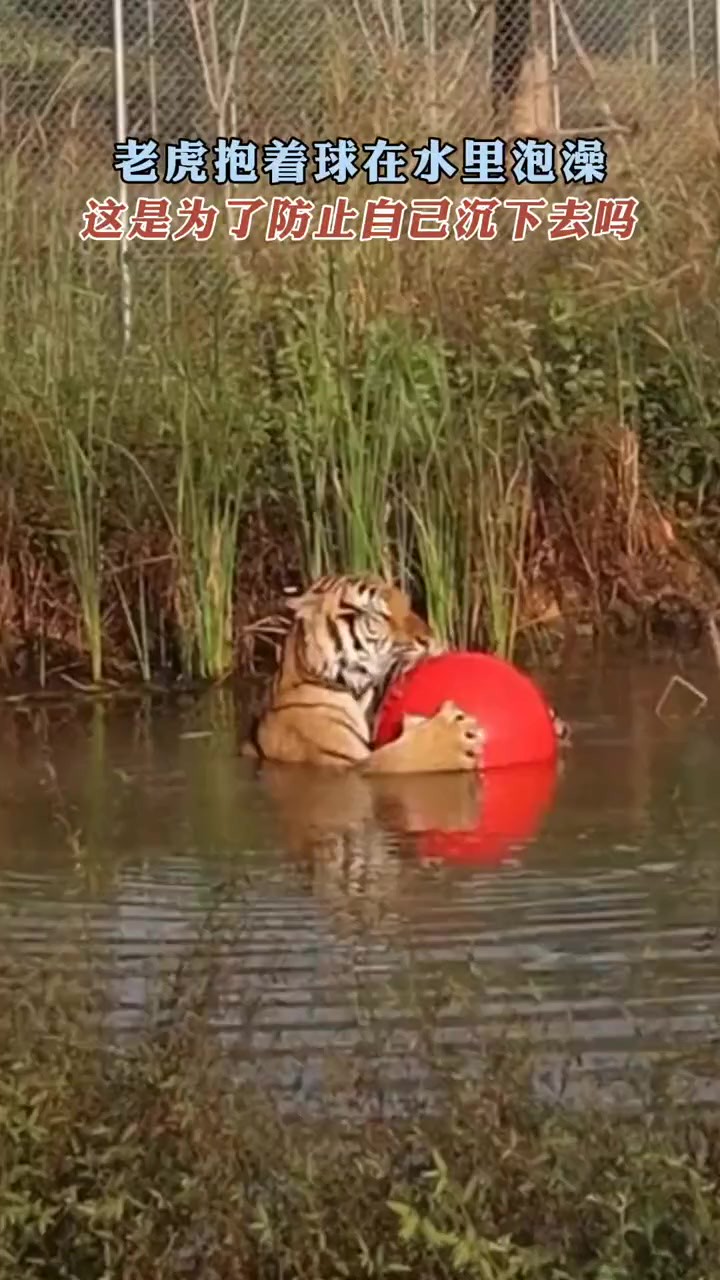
(451,740)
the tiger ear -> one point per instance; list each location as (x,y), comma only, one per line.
(396,597)
(398,604)
(403,614)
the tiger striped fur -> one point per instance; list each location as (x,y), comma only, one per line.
(351,636)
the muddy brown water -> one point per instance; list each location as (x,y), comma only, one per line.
(592,921)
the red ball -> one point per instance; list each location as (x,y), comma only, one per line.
(507,705)
(512,804)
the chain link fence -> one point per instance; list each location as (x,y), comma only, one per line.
(76,73)
(259,68)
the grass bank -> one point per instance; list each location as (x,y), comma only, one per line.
(526,434)
(156,1161)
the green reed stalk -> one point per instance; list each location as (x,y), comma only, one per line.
(504,511)
(469,504)
(60,385)
(138,629)
(344,430)
(309,418)
(210,486)
(78,472)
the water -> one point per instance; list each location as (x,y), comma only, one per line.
(599,931)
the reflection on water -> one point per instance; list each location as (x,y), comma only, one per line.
(591,902)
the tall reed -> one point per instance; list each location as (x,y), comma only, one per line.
(213,465)
(77,465)
(364,398)
(467,487)
(346,413)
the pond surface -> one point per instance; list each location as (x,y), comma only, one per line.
(590,915)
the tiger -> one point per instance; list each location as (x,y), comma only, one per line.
(351,636)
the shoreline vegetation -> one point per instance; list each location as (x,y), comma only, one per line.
(150,1157)
(525,434)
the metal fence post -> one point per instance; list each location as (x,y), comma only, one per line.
(121,135)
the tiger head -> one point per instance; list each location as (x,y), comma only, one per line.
(356,632)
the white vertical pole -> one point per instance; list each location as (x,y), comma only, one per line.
(654,50)
(121,134)
(717,51)
(555,63)
(691,40)
(692,50)
(152,67)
